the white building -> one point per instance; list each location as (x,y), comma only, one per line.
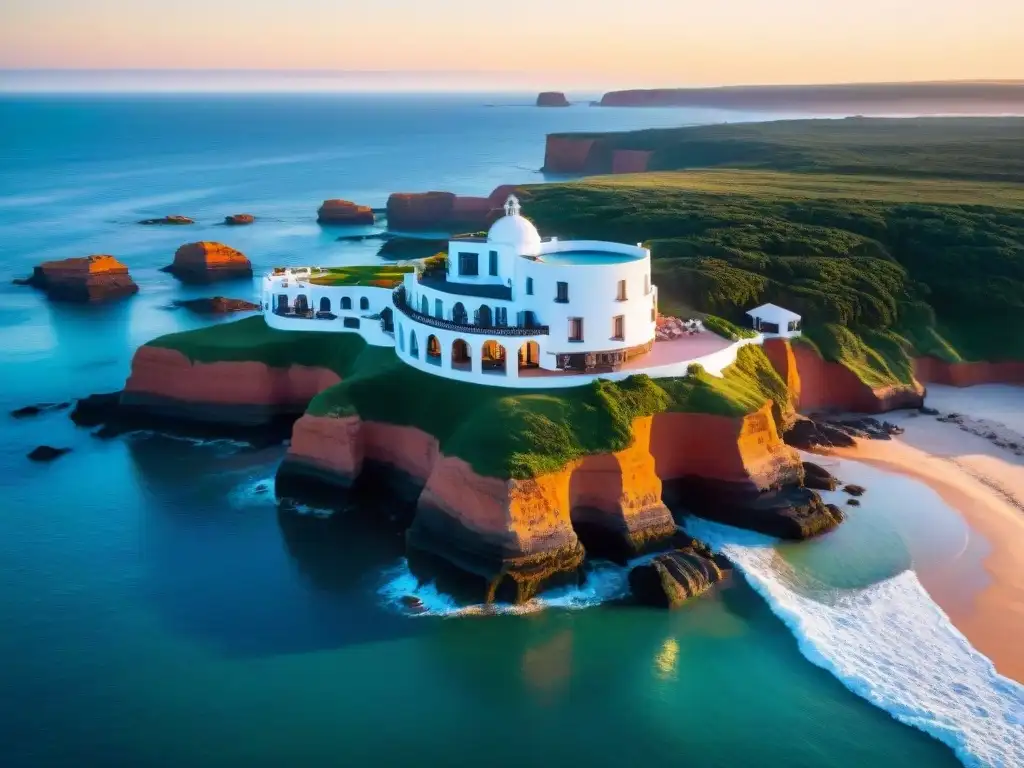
(508,310)
(772,320)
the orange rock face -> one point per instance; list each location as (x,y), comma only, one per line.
(344,212)
(239,219)
(166,382)
(206,262)
(567,155)
(819,385)
(89,279)
(445,210)
(934,371)
(630,160)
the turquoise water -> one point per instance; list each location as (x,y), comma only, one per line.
(159,610)
(587,257)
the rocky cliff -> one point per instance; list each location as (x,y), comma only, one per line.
(568,154)
(931,370)
(84,280)
(165,383)
(207,262)
(816,384)
(440,211)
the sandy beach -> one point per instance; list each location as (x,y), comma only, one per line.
(977,467)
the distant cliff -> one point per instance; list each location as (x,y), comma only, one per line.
(552,99)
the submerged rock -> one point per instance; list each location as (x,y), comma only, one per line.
(818,478)
(217,305)
(207,262)
(47,453)
(412,604)
(84,280)
(38,408)
(671,579)
(173,220)
(239,219)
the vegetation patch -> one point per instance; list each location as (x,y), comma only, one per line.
(383,276)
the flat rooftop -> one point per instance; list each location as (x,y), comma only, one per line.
(439,283)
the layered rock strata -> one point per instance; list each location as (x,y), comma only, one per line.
(207,262)
(86,280)
(818,385)
(344,212)
(670,579)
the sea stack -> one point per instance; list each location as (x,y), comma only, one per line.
(207,262)
(552,99)
(85,280)
(344,212)
(239,219)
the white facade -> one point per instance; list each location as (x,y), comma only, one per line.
(775,321)
(510,310)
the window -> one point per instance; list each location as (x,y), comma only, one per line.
(529,286)
(493,263)
(620,294)
(500,316)
(346,302)
(424,305)
(619,327)
(468,264)
(647,284)
(562,293)
(575,329)
(351,322)
(325,304)
(364,303)
(438,309)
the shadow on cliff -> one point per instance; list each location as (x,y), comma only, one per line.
(224,564)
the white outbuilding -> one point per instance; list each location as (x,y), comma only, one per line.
(773,320)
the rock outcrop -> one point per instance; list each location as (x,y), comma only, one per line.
(207,262)
(86,280)
(165,383)
(671,579)
(171,220)
(818,385)
(217,305)
(344,212)
(239,219)
(552,99)
(931,370)
(47,453)
(439,211)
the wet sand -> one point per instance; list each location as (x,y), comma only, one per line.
(982,478)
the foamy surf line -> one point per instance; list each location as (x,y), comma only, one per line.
(604,582)
(892,645)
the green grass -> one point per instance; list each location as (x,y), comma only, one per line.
(727,329)
(380,276)
(878,358)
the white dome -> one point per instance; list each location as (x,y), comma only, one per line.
(514,231)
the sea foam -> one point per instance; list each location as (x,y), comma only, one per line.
(892,645)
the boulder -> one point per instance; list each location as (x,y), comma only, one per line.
(239,219)
(207,262)
(807,434)
(218,305)
(344,212)
(47,453)
(671,579)
(818,478)
(854,490)
(552,99)
(173,220)
(84,280)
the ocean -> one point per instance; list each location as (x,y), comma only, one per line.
(158,609)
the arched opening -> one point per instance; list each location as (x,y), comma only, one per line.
(492,357)
(364,303)
(595,508)
(325,304)
(462,356)
(414,348)
(433,350)
(459,315)
(301,304)
(529,355)
(346,302)
(424,306)
(439,309)
(483,317)
(387,320)
(282,304)
(401,338)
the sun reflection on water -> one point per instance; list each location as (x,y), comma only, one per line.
(667,659)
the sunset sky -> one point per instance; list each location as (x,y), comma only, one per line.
(530,43)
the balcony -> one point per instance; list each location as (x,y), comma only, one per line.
(448,325)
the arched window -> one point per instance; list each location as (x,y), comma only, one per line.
(433,353)
(301,304)
(492,357)
(401,338)
(424,306)
(325,304)
(459,314)
(483,316)
(461,356)
(387,320)
(346,302)
(364,303)
(414,349)
(438,309)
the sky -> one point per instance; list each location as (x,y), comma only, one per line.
(557,44)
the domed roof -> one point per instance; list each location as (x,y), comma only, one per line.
(514,230)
